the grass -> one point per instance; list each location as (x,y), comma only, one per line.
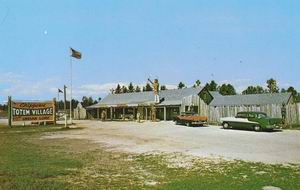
(29,162)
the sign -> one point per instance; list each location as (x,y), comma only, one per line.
(33,111)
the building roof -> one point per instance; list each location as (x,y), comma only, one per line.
(215,93)
(250,99)
(171,97)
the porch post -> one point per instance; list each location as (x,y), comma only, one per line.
(133,113)
(98,110)
(165,113)
(111,113)
(123,114)
(146,113)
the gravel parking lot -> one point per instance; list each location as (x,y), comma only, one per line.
(211,142)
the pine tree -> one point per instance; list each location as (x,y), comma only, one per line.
(137,89)
(148,87)
(130,87)
(124,89)
(118,89)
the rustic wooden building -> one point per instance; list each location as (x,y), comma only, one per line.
(215,105)
(127,105)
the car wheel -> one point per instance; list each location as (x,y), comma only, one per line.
(257,128)
(225,125)
(176,122)
(188,124)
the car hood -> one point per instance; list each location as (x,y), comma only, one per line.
(234,119)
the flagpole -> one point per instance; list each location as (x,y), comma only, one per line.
(71,89)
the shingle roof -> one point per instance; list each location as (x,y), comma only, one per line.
(171,97)
(251,99)
(215,93)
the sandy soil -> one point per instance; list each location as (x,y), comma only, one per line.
(211,142)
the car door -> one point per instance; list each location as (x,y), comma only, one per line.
(240,124)
(252,117)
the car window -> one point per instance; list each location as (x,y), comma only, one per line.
(251,115)
(241,115)
(261,115)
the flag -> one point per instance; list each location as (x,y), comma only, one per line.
(60,91)
(75,53)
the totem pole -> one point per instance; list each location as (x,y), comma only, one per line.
(155,85)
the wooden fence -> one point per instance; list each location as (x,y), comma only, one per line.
(215,113)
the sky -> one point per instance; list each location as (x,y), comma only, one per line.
(239,42)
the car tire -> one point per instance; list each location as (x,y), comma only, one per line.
(257,128)
(225,125)
(176,122)
(188,124)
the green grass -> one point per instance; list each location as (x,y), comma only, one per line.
(29,162)
(24,165)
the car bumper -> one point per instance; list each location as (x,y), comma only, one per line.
(275,126)
(199,122)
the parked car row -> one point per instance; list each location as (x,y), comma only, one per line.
(257,121)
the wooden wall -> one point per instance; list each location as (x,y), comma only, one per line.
(215,113)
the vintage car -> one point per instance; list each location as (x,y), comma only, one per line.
(257,121)
(189,119)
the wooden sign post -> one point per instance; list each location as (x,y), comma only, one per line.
(9,111)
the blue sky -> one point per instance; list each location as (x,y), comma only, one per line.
(240,42)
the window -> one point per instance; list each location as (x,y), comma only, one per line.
(241,115)
(261,115)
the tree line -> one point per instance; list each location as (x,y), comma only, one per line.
(85,102)
(224,89)
(131,88)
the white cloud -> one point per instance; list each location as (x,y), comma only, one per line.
(19,85)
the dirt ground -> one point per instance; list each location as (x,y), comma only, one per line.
(211,142)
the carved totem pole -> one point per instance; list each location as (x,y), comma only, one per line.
(155,85)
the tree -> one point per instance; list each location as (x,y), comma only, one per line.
(112,91)
(254,90)
(163,87)
(137,89)
(87,101)
(283,90)
(272,85)
(181,85)
(124,89)
(147,87)
(118,89)
(197,83)
(212,86)
(130,87)
(227,89)
(293,91)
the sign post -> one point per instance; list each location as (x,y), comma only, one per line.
(9,111)
(65,105)
(54,112)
